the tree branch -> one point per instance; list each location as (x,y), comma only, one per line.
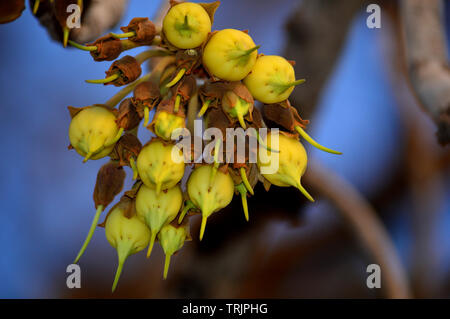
(427,60)
(364,221)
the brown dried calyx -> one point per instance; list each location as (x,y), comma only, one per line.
(108,48)
(143,28)
(10,10)
(284,115)
(127,116)
(146,94)
(109,183)
(126,147)
(185,88)
(128,69)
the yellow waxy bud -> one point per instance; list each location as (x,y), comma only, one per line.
(158,210)
(209,194)
(93,132)
(160,165)
(127,235)
(186,25)
(164,123)
(272,79)
(230,54)
(292,161)
(172,238)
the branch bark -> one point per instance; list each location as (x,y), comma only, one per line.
(429,72)
(316,34)
(363,219)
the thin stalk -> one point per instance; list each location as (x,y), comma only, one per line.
(94,223)
(115,99)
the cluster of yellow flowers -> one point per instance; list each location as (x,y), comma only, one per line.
(221,70)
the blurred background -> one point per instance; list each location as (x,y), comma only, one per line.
(359,100)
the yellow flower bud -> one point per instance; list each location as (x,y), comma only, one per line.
(186,25)
(160,165)
(209,194)
(127,235)
(272,79)
(291,166)
(172,238)
(236,107)
(93,132)
(158,210)
(230,54)
(164,123)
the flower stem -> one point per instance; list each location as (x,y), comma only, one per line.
(82,47)
(94,223)
(110,78)
(313,142)
(114,100)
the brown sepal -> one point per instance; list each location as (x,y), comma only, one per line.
(108,48)
(127,146)
(127,117)
(144,28)
(186,87)
(284,115)
(146,94)
(109,183)
(128,68)
(10,10)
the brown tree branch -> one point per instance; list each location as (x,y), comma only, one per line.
(316,34)
(364,221)
(423,24)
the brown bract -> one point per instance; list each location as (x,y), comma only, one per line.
(185,88)
(127,117)
(126,147)
(109,183)
(10,10)
(108,48)
(128,69)
(284,115)
(146,94)
(144,28)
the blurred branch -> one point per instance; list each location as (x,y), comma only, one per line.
(423,24)
(364,221)
(316,34)
(423,165)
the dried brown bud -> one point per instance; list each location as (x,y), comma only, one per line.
(284,115)
(146,94)
(10,10)
(109,183)
(108,48)
(127,146)
(128,69)
(144,28)
(127,117)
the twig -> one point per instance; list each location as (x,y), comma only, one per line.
(363,220)
(423,24)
